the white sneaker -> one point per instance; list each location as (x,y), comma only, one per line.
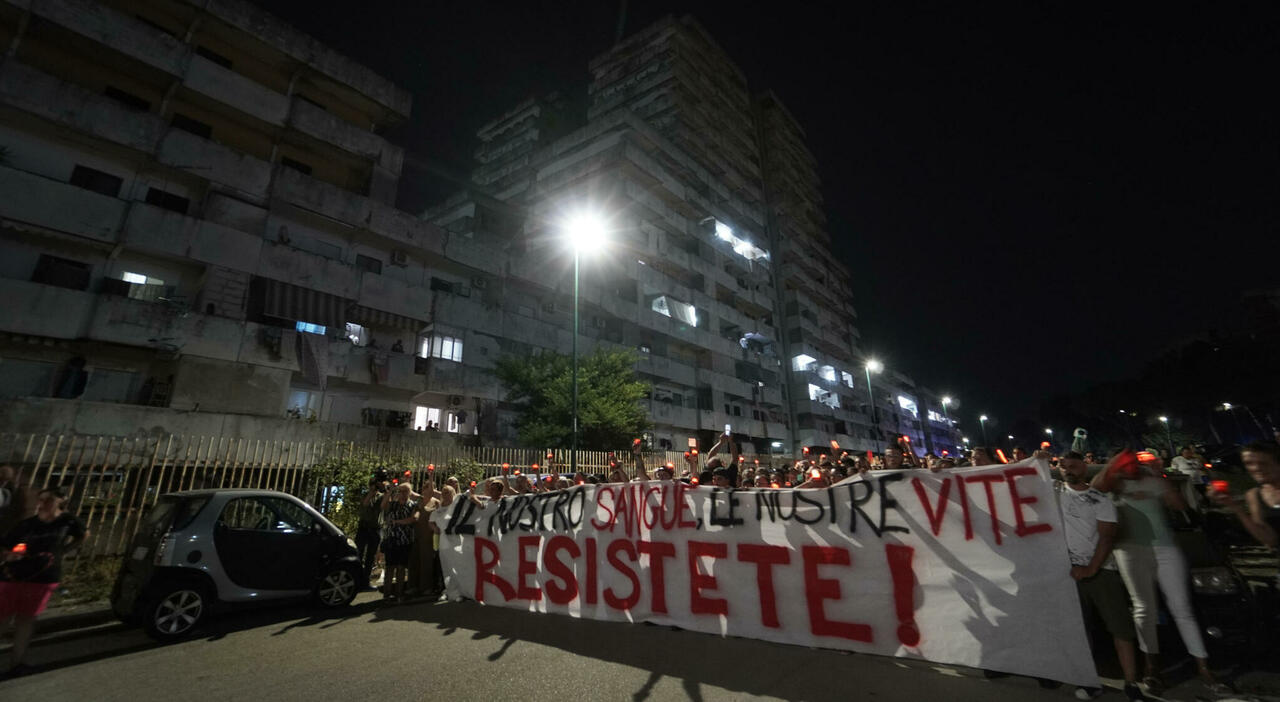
(1088,693)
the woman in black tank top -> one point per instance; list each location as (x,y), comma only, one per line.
(1259,511)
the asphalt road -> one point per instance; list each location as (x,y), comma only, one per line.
(465,651)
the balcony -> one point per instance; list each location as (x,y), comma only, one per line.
(210,160)
(111,28)
(160,231)
(290,265)
(355,365)
(383,293)
(233,89)
(666,368)
(325,126)
(52,204)
(681,417)
(45,310)
(38,93)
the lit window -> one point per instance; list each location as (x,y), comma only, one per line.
(909,405)
(438,346)
(802,362)
(422,416)
(309,328)
(828,373)
(830,399)
(357,334)
(669,307)
(846,378)
(740,246)
(134,278)
(453,422)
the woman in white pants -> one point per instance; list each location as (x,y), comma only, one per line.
(1147,555)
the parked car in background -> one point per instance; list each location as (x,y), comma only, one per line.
(206,550)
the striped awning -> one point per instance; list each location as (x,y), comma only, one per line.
(369,317)
(302,304)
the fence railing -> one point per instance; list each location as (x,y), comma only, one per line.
(113,480)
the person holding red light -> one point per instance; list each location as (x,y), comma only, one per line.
(31,567)
(1259,509)
(1147,555)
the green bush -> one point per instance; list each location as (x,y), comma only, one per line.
(465,470)
(337,483)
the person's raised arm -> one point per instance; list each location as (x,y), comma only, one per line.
(1106,479)
(639,460)
(715,448)
(1249,511)
(734,451)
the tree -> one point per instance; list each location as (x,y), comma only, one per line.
(609,395)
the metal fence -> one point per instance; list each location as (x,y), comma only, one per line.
(114,479)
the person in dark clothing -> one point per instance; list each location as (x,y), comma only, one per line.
(368,529)
(31,567)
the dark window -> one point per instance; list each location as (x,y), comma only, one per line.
(95,180)
(127,99)
(841,428)
(295,165)
(794,335)
(441,285)
(368,264)
(737,411)
(167,200)
(62,272)
(213,56)
(195,126)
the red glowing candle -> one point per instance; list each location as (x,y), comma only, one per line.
(19,549)
(1220,486)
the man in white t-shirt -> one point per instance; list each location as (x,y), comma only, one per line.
(1090,523)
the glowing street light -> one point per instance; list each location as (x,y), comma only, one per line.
(585,232)
(983,421)
(873,366)
(1168,434)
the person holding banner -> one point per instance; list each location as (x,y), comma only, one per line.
(1090,524)
(1147,555)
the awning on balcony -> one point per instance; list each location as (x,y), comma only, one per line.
(303,304)
(369,317)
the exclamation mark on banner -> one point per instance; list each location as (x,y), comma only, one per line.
(904,585)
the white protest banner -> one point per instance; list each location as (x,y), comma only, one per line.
(966,566)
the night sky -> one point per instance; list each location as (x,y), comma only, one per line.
(1032,200)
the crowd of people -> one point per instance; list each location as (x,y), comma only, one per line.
(1114,514)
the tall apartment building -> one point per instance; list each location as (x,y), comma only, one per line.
(196,214)
(718,218)
(719,272)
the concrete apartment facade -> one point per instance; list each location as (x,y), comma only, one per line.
(197,216)
(198,234)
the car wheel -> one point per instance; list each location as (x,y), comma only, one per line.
(337,587)
(175,611)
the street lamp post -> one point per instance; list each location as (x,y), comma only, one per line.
(1050,433)
(983,421)
(585,231)
(1239,429)
(1168,434)
(873,366)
